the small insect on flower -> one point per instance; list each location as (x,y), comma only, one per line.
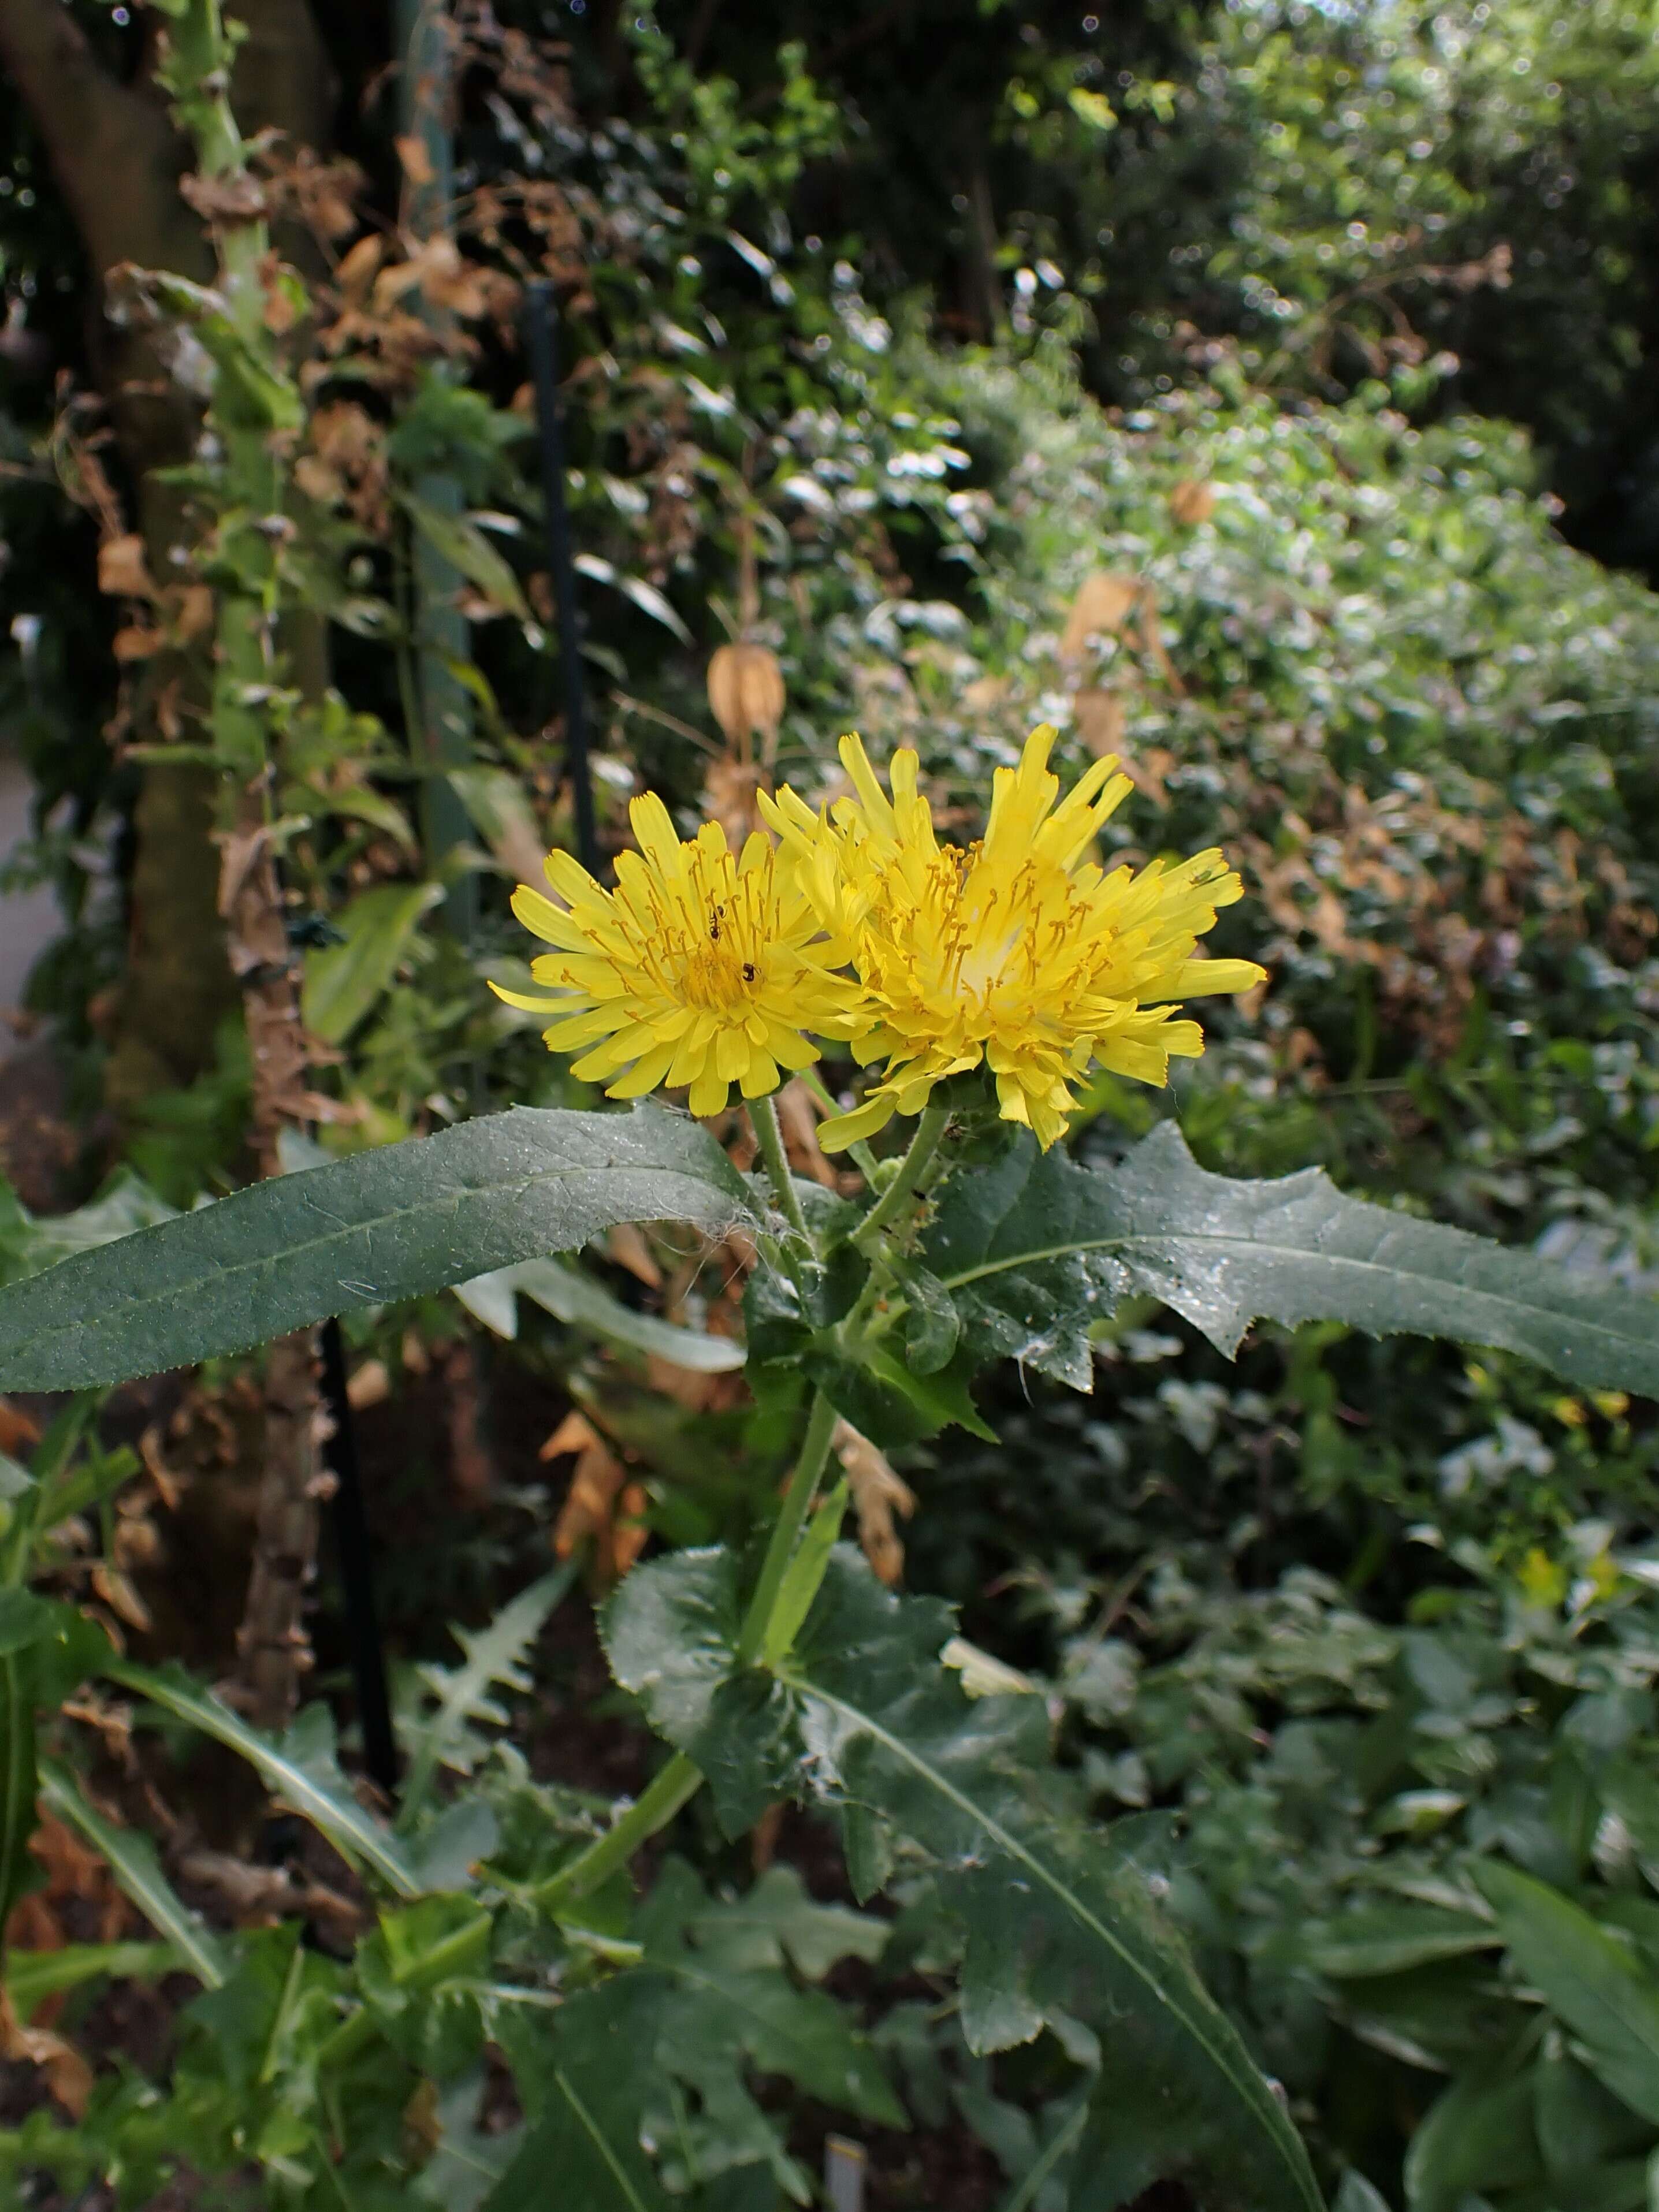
(1019,953)
(699,970)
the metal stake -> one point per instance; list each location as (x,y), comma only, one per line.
(541,333)
(357,1571)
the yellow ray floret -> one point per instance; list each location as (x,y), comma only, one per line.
(1019,953)
(700,969)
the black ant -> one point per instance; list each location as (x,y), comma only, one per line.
(748,971)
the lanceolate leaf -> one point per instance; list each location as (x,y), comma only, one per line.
(342,981)
(581,1302)
(130,1856)
(381,1225)
(1586,1977)
(862,1714)
(1036,1248)
(300,1768)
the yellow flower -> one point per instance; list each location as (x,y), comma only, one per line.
(1018,953)
(699,969)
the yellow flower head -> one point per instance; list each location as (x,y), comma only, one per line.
(700,969)
(1018,953)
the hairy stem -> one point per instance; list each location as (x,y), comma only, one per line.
(792,1516)
(681,1780)
(903,1188)
(674,1787)
(763,1118)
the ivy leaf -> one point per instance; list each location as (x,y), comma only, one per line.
(1035,1249)
(862,1714)
(379,1225)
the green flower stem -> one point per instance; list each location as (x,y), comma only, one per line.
(913,1167)
(675,1786)
(797,1504)
(764,1116)
(681,1780)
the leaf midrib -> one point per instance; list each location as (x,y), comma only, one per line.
(225,1271)
(1045,1875)
(308,1798)
(596,2136)
(1259,1247)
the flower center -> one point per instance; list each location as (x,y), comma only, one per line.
(704,944)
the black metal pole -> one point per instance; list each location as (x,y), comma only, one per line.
(357,1573)
(541,330)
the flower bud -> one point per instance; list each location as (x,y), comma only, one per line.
(745,692)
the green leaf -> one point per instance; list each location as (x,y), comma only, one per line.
(300,1768)
(132,1859)
(503,816)
(468,2162)
(1588,1978)
(420,1973)
(1387,1939)
(581,1302)
(466,549)
(344,980)
(646,597)
(1478,2137)
(32,1977)
(463,1703)
(127,1204)
(778,1919)
(580,2077)
(863,1715)
(379,1225)
(1035,1249)
(724,2003)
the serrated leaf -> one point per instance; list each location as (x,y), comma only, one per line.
(494,1655)
(379,1225)
(344,980)
(300,1768)
(862,1714)
(132,1859)
(1586,1977)
(1034,1249)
